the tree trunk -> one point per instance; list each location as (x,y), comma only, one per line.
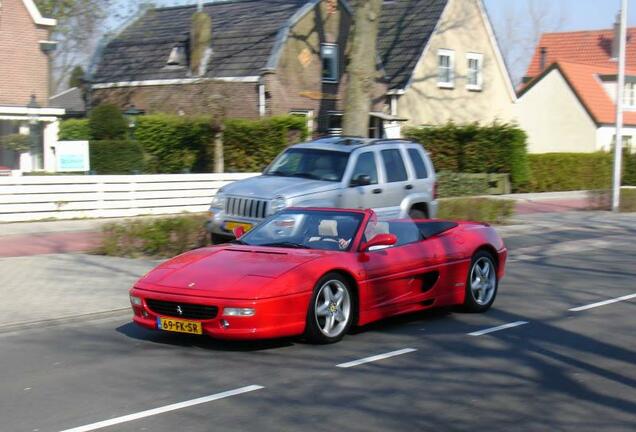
(218,152)
(361,70)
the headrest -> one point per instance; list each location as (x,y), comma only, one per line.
(328,228)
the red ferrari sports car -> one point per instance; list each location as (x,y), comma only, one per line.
(318,272)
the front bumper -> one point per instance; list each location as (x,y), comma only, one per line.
(273,318)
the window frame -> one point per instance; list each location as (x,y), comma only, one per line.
(308,114)
(442,52)
(479,58)
(336,58)
(376,165)
(418,152)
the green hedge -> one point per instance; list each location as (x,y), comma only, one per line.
(569,171)
(494,148)
(489,210)
(250,145)
(116,157)
(629,169)
(175,144)
(74,130)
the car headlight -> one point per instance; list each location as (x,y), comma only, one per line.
(277,204)
(135,301)
(218,202)
(243,312)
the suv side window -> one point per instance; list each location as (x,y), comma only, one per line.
(365,165)
(394,165)
(418,163)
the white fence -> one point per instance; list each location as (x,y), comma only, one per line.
(31,198)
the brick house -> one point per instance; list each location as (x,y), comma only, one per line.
(568,98)
(24,84)
(271,57)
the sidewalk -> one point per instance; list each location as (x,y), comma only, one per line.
(84,235)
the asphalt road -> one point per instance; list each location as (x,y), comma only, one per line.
(556,369)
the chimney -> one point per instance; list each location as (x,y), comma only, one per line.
(543,58)
(617,37)
(200,39)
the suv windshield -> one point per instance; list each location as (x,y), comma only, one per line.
(312,164)
(306,229)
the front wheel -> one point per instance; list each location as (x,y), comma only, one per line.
(330,312)
(482,283)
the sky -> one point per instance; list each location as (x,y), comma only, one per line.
(559,15)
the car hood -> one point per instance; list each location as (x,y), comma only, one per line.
(231,272)
(269,187)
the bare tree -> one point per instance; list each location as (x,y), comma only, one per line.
(519,30)
(361,69)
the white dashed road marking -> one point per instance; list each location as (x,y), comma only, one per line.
(603,303)
(501,327)
(160,410)
(376,358)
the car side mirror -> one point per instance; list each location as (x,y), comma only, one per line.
(361,180)
(380,240)
(238,231)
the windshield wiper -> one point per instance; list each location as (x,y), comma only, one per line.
(306,175)
(277,173)
(285,244)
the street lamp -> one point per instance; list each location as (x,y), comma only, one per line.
(35,149)
(131,114)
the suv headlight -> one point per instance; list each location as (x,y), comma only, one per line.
(277,204)
(218,202)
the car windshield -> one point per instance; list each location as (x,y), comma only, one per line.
(306,229)
(312,164)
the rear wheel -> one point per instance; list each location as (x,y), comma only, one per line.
(482,283)
(330,312)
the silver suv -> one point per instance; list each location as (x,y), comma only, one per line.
(393,177)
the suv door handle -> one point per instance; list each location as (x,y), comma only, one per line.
(408,187)
(377,191)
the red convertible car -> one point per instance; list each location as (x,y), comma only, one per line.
(318,272)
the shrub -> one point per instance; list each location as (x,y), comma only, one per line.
(629,169)
(628,200)
(74,130)
(250,145)
(569,171)
(17,142)
(451,184)
(106,122)
(116,157)
(175,144)
(495,148)
(156,237)
(489,210)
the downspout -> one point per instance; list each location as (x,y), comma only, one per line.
(262,103)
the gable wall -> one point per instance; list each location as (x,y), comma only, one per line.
(463,30)
(24,68)
(554,119)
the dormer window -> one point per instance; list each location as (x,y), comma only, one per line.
(329,54)
(177,57)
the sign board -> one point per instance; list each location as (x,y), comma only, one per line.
(72,156)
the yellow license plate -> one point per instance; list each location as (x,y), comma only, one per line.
(179,326)
(231,225)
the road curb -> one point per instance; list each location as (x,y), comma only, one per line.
(50,322)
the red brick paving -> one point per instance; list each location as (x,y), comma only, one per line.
(49,243)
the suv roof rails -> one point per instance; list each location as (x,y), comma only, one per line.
(345,140)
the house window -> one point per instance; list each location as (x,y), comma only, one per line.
(334,123)
(626,141)
(329,54)
(309,115)
(474,66)
(445,72)
(629,96)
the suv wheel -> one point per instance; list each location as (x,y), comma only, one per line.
(417,214)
